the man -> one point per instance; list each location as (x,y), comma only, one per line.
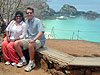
(35,40)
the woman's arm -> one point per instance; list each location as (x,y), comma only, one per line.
(7,35)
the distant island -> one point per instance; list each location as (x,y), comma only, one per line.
(71,11)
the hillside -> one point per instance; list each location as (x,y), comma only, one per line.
(43,11)
(41,8)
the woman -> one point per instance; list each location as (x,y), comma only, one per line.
(15,30)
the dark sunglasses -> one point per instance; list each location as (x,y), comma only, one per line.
(29,12)
(18,16)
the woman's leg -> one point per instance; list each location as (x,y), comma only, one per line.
(5,51)
(12,52)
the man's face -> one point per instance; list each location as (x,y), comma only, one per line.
(29,14)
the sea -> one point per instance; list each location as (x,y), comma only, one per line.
(75,28)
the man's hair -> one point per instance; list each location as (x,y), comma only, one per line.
(30,8)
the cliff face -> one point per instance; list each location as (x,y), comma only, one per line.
(43,11)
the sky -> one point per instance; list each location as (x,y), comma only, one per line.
(80,5)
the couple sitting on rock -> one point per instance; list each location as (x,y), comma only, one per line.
(15,40)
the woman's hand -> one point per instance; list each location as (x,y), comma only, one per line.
(12,40)
(8,38)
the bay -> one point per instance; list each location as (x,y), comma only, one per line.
(74,28)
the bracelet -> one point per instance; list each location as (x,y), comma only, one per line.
(8,36)
(14,39)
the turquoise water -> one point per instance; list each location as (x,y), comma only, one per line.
(76,28)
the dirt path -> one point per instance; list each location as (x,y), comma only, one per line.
(75,47)
(13,70)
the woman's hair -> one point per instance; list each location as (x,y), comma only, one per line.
(21,14)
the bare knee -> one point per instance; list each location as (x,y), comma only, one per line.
(31,45)
(17,43)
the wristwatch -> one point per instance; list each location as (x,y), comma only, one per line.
(14,39)
(34,39)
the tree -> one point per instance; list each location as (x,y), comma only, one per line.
(7,10)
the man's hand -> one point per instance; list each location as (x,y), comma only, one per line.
(31,41)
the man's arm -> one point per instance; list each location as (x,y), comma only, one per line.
(37,36)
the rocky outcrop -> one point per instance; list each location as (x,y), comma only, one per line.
(92,15)
(67,10)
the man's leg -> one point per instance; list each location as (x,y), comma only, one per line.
(18,46)
(30,66)
(31,50)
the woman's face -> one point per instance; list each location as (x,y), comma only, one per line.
(18,18)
